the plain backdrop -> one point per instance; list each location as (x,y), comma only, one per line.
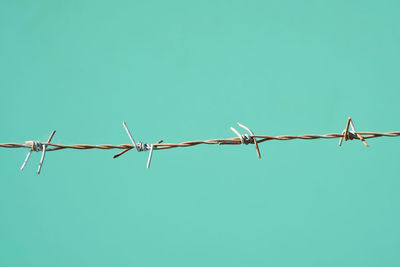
(188,70)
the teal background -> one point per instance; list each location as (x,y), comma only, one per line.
(187,70)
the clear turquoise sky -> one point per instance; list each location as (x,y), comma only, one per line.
(186,70)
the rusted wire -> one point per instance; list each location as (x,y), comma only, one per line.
(241,139)
(228,141)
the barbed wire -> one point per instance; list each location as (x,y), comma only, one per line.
(250,138)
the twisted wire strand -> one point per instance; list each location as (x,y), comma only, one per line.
(227,141)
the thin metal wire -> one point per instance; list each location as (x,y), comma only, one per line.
(240,139)
(44,152)
(254,139)
(227,141)
(26,159)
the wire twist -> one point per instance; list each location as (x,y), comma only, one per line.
(245,139)
(35,145)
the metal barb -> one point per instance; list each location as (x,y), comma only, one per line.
(348,135)
(26,159)
(246,139)
(151,153)
(130,135)
(254,138)
(358,135)
(37,146)
(44,152)
(132,140)
(238,134)
(139,146)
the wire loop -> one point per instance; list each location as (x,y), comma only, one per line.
(247,139)
(37,147)
(143,147)
(351,134)
(34,145)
